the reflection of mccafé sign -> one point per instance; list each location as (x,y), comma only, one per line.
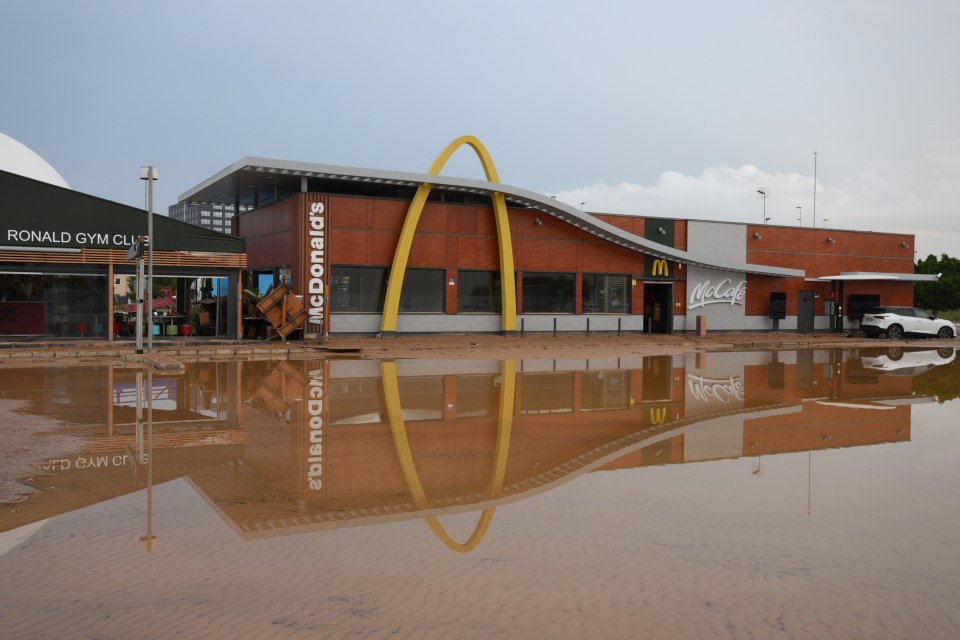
(724,292)
(315,443)
(316,251)
(721,389)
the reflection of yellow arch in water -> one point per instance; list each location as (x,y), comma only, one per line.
(508,295)
(391,390)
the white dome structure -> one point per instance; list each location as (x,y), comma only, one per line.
(21,160)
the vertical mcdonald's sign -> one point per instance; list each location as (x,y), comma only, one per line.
(316,276)
(657,267)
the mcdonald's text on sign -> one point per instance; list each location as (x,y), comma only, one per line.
(315,444)
(315,247)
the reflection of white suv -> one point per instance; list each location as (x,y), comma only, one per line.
(896,322)
(908,361)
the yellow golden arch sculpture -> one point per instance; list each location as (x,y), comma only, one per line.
(391,391)
(391,304)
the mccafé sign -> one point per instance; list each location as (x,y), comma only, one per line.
(724,292)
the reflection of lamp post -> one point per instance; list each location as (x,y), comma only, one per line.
(149,174)
(148,539)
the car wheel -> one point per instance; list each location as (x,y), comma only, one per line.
(894,332)
(945,332)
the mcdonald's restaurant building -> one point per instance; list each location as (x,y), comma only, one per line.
(374,251)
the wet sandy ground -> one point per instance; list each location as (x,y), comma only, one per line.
(473,346)
(699,551)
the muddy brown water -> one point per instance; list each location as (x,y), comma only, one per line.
(765,494)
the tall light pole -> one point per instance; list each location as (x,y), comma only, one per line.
(824,221)
(814,189)
(763,194)
(800,209)
(581,206)
(149,173)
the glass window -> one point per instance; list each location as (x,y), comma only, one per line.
(423,290)
(548,292)
(363,289)
(360,289)
(478,292)
(62,305)
(605,293)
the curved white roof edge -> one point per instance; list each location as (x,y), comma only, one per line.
(870,275)
(539,202)
(20,159)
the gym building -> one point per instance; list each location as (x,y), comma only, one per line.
(65,271)
(387,252)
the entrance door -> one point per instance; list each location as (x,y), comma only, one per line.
(657,310)
(805,312)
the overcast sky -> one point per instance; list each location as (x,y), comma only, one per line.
(680,109)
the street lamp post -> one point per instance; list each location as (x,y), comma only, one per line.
(149,173)
(800,218)
(763,194)
(581,206)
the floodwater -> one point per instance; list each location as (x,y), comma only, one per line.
(791,494)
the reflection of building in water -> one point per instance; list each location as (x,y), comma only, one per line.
(292,446)
(440,422)
(194,425)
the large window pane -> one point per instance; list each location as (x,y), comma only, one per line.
(64,305)
(358,288)
(605,293)
(423,290)
(548,292)
(478,292)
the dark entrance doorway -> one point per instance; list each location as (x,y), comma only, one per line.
(805,312)
(657,310)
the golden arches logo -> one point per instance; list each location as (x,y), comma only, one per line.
(660,268)
(391,303)
(391,392)
(658,415)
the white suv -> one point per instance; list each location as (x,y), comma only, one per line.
(897,322)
